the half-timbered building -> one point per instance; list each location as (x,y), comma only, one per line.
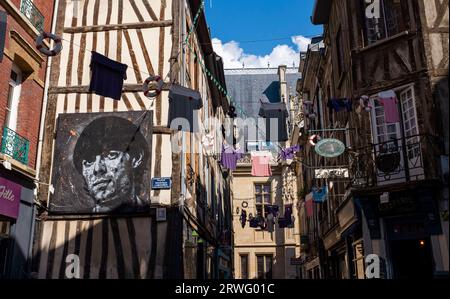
(393,202)
(184,233)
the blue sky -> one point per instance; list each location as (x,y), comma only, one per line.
(236,23)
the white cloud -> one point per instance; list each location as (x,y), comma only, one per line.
(301,42)
(234,56)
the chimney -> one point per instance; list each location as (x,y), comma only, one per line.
(283,84)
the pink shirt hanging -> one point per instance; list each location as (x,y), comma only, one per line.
(261,166)
(388,99)
(309,205)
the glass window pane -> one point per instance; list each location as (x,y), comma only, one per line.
(268,267)
(259,199)
(260,266)
(266,188)
(267,198)
(244,266)
(258,188)
(259,210)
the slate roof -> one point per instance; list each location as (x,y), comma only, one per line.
(247,87)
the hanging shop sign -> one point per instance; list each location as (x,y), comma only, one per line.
(9,198)
(161,183)
(384,198)
(335,173)
(330,148)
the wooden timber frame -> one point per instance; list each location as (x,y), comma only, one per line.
(106,243)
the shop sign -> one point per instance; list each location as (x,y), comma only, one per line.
(336,173)
(161,183)
(384,198)
(9,198)
(330,148)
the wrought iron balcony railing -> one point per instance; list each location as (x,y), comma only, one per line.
(15,146)
(392,162)
(30,11)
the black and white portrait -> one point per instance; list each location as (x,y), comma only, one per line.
(102,163)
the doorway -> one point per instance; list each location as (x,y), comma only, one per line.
(412,258)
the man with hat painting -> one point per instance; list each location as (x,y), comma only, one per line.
(111,154)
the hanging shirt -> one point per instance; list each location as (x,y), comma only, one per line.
(273,209)
(208,143)
(320,195)
(309,205)
(389,101)
(282,223)
(289,153)
(183,106)
(254,222)
(243,218)
(288,211)
(261,166)
(230,157)
(262,224)
(292,222)
(107,76)
(339,105)
(270,223)
(277,115)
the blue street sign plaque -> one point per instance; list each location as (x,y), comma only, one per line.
(161,183)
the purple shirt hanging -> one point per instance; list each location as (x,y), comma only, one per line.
(289,153)
(229,157)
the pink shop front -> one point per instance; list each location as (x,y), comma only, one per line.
(16,224)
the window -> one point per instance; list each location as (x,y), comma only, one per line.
(410,123)
(15,83)
(384,132)
(263,198)
(260,146)
(253,146)
(244,266)
(391,21)
(264,266)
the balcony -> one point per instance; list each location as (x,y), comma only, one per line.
(393,162)
(15,146)
(30,11)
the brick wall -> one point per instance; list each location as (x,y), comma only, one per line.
(31,93)
(46,9)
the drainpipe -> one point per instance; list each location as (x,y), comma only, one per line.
(183,83)
(183,141)
(42,126)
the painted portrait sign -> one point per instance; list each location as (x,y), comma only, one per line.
(102,163)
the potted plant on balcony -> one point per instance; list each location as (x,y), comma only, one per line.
(388,158)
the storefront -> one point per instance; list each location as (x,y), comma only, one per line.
(349,215)
(408,225)
(16,225)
